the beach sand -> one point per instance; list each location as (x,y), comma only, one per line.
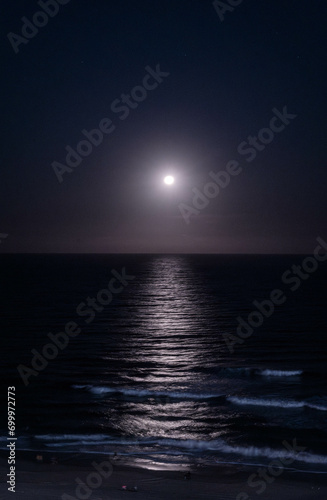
(53,481)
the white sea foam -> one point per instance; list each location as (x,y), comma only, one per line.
(69,437)
(265,402)
(316,407)
(253,451)
(244,401)
(248,451)
(281,373)
(276,403)
(143,393)
(186,446)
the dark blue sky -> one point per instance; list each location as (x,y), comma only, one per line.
(225,78)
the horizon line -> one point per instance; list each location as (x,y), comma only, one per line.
(153,253)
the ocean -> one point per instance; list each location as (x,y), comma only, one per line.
(155,371)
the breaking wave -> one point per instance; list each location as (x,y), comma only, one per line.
(281,373)
(143,393)
(290,452)
(276,403)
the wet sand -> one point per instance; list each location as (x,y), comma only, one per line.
(60,481)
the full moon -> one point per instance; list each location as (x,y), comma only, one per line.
(169,179)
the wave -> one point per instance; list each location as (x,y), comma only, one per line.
(248,451)
(316,407)
(281,373)
(143,393)
(289,452)
(64,440)
(69,437)
(266,372)
(265,402)
(276,403)
(253,451)
(243,401)
(255,372)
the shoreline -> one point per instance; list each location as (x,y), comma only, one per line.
(225,482)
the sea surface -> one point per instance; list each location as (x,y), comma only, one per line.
(159,376)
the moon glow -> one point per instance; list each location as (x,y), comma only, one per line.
(169,179)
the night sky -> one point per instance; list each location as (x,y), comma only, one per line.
(223,77)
